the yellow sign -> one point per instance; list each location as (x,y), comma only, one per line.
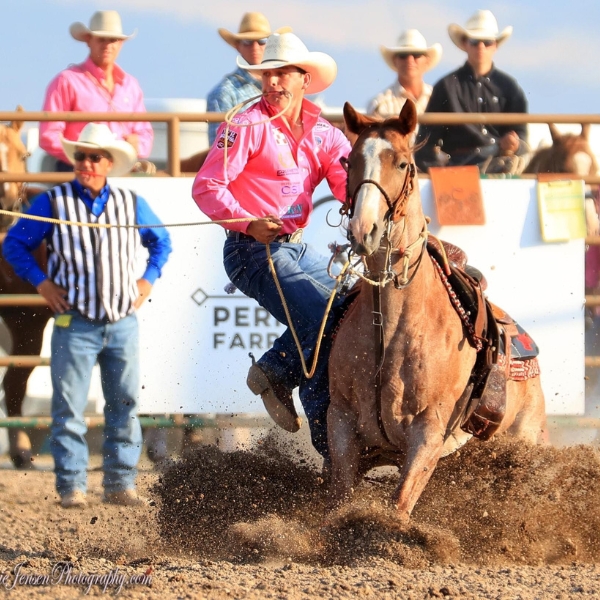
(561,205)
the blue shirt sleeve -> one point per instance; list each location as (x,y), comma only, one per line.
(156,239)
(24,237)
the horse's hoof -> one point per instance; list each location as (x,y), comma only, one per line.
(156,444)
(22,461)
(20,449)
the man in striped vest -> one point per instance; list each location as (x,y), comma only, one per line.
(92,288)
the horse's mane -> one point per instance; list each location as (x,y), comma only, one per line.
(548,160)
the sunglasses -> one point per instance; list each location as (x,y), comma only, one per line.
(475,43)
(95,158)
(415,55)
(260,42)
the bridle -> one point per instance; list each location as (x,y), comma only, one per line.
(396,211)
(396,208)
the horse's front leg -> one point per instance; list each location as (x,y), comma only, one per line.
(344,450)
(425,441)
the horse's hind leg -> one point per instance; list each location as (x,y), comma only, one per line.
(27,330)
(527,405)
(344,450)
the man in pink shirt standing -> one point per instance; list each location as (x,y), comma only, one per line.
(96,85)
(278,151)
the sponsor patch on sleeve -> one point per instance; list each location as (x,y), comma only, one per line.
(231,138)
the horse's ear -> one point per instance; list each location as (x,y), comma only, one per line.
(554,133)
(16,125)
(408,118)
(355,122)
(585,131)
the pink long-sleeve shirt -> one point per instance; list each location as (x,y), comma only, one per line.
(80,88)
(268,171)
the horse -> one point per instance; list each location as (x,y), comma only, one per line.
(26,324)
(420,344)
(569,153)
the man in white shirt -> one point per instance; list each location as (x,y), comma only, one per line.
(410,59)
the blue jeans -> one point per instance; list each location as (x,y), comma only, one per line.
(75,350)
(302,274)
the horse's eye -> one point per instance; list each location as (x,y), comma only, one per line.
(402,166)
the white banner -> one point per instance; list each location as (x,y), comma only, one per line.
(195,338)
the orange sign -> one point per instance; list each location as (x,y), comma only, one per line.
(457,195)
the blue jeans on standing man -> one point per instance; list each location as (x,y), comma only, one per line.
(302,274)
(76,347)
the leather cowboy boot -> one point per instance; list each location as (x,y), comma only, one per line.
(277,398)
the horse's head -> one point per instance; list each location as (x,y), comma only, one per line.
(576,151)
(381,174)
(569,153)
(13,154)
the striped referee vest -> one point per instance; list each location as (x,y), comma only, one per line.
(97,266)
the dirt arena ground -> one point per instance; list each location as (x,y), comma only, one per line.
(497,521)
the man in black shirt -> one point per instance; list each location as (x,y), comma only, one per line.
(476,87)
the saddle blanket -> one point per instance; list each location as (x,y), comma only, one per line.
(520,370)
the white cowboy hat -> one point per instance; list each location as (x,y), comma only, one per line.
(104,23)
(98,136)
(411,41)
(254,26)
(286,49)
(481,26)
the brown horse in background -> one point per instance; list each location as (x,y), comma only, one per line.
(425,356)
(569,153)
(25,324)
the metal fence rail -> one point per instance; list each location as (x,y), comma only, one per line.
(219,421)
(173,121)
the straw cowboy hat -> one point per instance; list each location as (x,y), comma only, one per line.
(481,26)
(97,136)
(286,49)
(104,23)
(254,26)
(411,41)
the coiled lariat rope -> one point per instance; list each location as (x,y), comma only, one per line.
(232,112)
